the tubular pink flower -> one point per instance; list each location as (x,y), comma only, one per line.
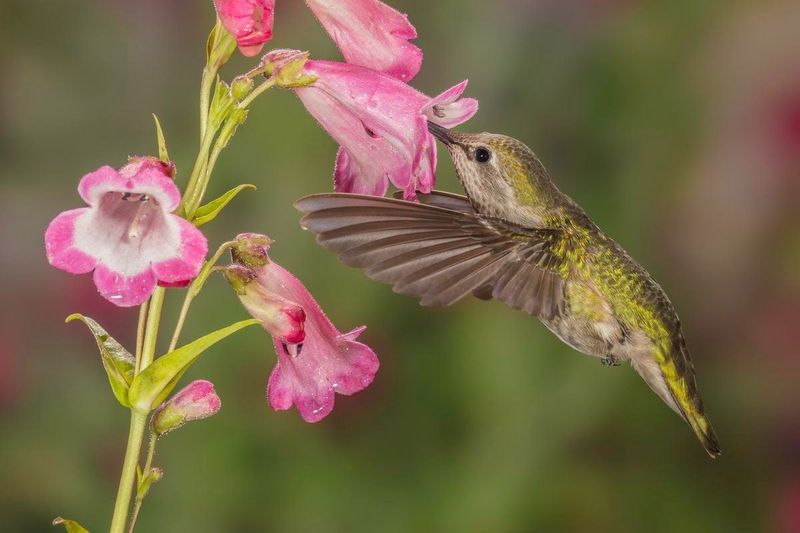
(196,401)
(127,235)
(381,126)
(249,21)
(371,34)
(313,365)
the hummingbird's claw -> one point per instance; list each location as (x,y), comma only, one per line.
(609,360)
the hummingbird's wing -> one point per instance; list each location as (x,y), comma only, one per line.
(438,249)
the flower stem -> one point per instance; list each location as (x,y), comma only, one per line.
(138,420)
(140,333)
(194,290)
(191,198)
(131,461)
(257,91)
(207,81)
(137,506)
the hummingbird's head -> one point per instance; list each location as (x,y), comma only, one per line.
(501,176)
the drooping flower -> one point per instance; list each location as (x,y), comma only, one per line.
(315,360)
(196,401)
(380,123)
(127,235)
(249,21)
(371,34)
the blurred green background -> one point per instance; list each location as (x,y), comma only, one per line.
(676,124)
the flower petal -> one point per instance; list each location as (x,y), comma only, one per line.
(121,290)
(191,254)
(95,184)
(371,34)
(59,239)
(449,109)
(153,182)
(349,177)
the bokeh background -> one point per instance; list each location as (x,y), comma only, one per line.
(676,124)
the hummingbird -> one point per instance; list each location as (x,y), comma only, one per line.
(515,237)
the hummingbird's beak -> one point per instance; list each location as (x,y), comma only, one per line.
(441,133)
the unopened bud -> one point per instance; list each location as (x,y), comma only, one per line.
(241,86)
(196,401)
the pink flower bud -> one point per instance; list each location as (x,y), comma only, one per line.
(196,401)
(249,21)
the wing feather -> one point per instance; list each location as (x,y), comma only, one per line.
(439,249)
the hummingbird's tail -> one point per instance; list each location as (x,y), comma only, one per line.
(702,428)
(673,380)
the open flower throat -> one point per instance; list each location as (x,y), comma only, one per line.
(128,234)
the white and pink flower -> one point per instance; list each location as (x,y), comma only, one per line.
(380,124)
(128,235)
(315,360)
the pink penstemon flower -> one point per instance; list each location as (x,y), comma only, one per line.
(380,123)
(315,360)
(128,235)
(248,21)
(371,34)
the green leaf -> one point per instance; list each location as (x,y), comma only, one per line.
(162,144)
(151,386)
(118,362)
(208,212)
(71,525)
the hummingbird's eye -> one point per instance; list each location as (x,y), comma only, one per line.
(482,155)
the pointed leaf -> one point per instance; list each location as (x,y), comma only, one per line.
(162,143)
(208,212)
(71,525)
(118,362)
(151,386)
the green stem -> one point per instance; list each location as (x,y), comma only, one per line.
(206,83)
(191,198)
(137,506)
(140,334)
(194,290)
(257,91)
(138,420)
(131,461)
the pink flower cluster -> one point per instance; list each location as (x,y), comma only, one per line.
(131,238)
(365,104)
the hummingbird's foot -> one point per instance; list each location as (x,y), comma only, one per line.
(609,360)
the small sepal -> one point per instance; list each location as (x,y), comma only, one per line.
(151,386)
(163,155)
(219,46)
(118,362)
(222,103)
(208,212)
(70,525)
(250,250)
(241,86)
(286,68)
(143,486)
